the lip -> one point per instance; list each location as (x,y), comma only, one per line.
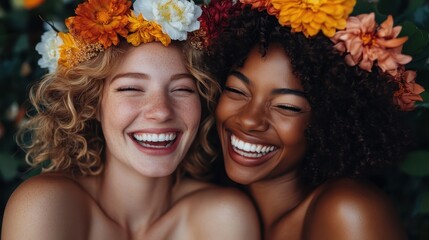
(157,151)
(245,161)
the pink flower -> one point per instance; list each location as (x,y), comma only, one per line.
(367,43)
(409,91)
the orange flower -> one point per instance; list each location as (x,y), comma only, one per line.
(262,5)
(409,91)
(100,21)
(143,31)
(311,16)
(30,4)
(365,42)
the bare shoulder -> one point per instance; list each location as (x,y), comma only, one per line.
(48,206)
(221,213)
(351,209)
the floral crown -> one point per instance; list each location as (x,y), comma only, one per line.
(363,42)
(99,24)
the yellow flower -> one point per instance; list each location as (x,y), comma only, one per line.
(311,16)
(74,51)
(100,21)
(142,31)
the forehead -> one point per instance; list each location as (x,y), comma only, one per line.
(154,56)
(273,68)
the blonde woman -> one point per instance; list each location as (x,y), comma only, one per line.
(120,132)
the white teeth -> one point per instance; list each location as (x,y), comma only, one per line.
(153,137)
(154,146)
(248,149)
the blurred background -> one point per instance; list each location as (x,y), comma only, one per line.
(20,30)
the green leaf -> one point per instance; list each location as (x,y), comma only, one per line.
(8,166)
(422,206)
(412,6)
(18,20)
(417,39)
(21,44)
(416,164)
(421,16)
(389,6)
(425,96)
(364,7)
(2,12)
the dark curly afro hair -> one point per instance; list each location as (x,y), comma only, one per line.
(355,129)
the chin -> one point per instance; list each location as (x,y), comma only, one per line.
(240,177)
(157,171)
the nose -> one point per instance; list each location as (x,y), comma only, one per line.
(159,108)
(253,117)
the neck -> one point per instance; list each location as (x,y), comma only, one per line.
(132,200)
(277,197)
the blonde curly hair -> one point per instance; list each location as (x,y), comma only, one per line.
(63,134)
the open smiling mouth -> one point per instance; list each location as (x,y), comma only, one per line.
(153,140)
(250,150)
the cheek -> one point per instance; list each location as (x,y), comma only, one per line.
(224,109)
(116,112)
(190,110)
(292,132)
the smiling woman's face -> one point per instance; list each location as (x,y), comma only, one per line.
(261,118)
(150,110)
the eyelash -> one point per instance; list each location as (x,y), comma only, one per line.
(122,89)
(290,108)
(185,90)
(233,90)
(129,88)
(283,107)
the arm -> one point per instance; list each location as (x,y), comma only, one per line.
(45,207)
(351,210)
(226,214)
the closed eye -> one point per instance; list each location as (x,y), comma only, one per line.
(290,108)
(128,88)
(234,90)
(189,90)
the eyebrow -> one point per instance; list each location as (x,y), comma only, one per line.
(130,75)
(246,80)
(145,76)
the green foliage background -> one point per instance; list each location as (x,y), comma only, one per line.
(20,30)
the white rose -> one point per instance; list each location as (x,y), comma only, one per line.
(48,48)
(176,17)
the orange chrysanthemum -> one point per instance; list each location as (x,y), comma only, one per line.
(30,4)
(100,21)
(311,16)
(365,42)
(142,31)
(262,5)
(409,91)
(74,51)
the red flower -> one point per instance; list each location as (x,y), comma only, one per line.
(213,20)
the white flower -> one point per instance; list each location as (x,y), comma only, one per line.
(49,48)
(176,17)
